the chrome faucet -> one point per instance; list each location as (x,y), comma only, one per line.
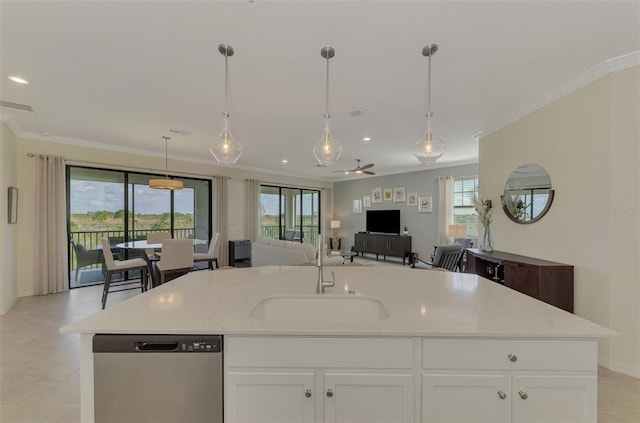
(322,284)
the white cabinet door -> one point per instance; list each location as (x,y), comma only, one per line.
(262,397)
(551,398)
(370,398)
(465,398)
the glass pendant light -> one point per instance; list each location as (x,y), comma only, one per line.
(327,150)
(166,183)
(226,149)
(429,149)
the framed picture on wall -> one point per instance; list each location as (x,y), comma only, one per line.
(357,206)
(387,194)
(366,201)
(424,204)
(376,195)
(399,195)
(412,199)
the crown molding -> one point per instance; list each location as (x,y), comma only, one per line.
(581,80)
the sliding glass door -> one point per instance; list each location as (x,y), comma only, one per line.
(290,213)
(120,206)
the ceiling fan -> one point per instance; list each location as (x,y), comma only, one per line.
(359,169)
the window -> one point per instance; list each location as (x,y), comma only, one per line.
(290,213)
(465,191)
(120,206)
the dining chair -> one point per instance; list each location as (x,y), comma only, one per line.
(85,257)
(176,258)
(117,266)
(155,238)
(212,254)
(447,257)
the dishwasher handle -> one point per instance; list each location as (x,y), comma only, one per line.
(156,346)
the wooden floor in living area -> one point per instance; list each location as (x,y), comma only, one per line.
(40,367)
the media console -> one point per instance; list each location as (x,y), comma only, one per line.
(383,245)
(544,280)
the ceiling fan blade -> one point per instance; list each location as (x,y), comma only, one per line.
(367,166)
(368,172)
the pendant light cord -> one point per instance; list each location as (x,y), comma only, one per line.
(429,114)
(326,112)
(166,156)
(226,91)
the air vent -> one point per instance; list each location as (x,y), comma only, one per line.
(179,132)
(17,106)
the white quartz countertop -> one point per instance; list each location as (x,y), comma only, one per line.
(419,303)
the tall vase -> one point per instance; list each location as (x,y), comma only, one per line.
(487,242)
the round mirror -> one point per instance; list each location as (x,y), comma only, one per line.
(527,194)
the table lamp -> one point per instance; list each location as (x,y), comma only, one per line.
(335,241)
(457,231)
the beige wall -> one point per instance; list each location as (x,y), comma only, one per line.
(89,156)
(588,143)
(8,233)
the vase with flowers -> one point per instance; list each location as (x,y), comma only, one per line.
(484,208)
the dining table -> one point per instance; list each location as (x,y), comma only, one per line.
(142,244)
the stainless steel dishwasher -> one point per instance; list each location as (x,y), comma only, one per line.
(157,378)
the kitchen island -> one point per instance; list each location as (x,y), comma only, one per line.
(444,339)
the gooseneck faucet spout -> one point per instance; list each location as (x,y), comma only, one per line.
(322,284)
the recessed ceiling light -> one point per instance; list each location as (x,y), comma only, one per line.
(285,161)
(366,139)
(18,79)
(346,172)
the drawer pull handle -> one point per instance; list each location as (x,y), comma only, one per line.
(523,395)
(329,393)
(307,393)
(502,395)
(513,358)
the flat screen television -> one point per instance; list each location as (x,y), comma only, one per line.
(383,221)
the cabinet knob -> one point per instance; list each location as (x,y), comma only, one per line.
(307,393)
(523,395)
(329,393)
(513,358)
(502,395)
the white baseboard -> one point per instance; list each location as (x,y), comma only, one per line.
(614,366)
(624,369)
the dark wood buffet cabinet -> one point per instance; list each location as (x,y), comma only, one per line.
(541,279)
(383,244)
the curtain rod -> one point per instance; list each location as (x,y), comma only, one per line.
(132,168)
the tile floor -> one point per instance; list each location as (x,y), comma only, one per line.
(40,367)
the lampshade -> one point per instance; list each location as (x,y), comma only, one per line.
(166,183)
(457,231)
(335,224)
(328,149)
(429,149)
(225,149)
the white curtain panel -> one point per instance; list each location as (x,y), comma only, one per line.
(253,209)
(445,207)
(50,241)
(222,216)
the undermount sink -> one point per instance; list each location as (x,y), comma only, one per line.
(320,308)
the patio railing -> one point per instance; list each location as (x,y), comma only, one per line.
(309,233)
(91,239)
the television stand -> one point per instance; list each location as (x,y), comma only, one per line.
(383,245)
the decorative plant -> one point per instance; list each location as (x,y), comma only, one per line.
(484,208)
(516,206)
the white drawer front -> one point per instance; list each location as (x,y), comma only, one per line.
(389,353)
(506,354)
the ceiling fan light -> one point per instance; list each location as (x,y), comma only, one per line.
(429,150)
